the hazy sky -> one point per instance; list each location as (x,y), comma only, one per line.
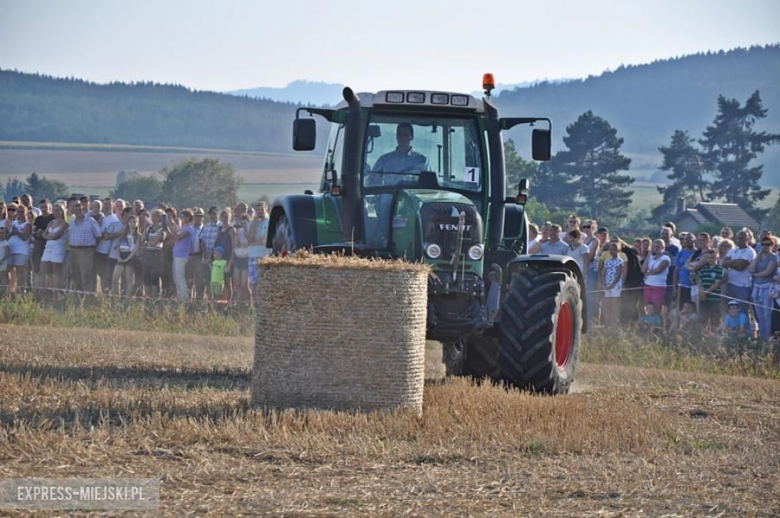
(231,44)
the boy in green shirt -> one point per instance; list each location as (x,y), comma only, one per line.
(218,265)
(709,279)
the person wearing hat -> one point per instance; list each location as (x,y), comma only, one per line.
(736,323)
(218,266)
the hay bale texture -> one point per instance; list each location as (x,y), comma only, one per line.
(340,333)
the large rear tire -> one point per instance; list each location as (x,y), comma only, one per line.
(283,240)
(475,357)
(540,331)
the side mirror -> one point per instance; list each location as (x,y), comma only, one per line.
(541,144)
(524,186)
(304,134)
(522,190)
(374,131)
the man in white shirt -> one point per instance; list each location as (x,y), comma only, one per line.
(104,245)
(555,246)
(740,285)
(673,240)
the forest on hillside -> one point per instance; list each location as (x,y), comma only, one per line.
(647,103)
(36,107)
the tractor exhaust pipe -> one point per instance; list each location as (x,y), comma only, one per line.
(350,210)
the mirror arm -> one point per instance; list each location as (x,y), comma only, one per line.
(511,122)
(329,115)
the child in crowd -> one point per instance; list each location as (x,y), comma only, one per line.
(5,255)
(709,280)
(651,321)
(614,273)
(736,324)
(689,321)
(218,265)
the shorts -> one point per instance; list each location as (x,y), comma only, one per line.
(216,288)
(710,310)
(241,263)
(18,259)
(613,293)
(685,295)
(655,294)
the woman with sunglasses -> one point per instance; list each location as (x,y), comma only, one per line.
(763,268)
(19,232)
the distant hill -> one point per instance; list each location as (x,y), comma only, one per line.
(36,107)
(502,87)
(301,91)
(646,103)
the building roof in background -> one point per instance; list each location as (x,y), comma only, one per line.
(693,214)
(729,214)
(726,214)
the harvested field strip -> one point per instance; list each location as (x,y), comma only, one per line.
(95,403)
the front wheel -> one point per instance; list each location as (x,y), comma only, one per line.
(475,357)
(540,331)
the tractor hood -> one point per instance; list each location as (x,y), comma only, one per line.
(423,217)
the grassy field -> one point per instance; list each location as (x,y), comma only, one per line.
(175,407)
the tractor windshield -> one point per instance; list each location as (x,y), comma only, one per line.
(425,152)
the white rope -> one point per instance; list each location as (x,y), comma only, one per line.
(748,302)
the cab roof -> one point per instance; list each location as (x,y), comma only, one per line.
(418,98)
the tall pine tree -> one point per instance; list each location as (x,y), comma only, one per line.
(592,164)
(517,168)
(730,144)
(686,170)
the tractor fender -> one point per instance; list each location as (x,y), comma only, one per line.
(302,215)
(559,261)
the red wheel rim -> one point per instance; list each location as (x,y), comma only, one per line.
(564,335)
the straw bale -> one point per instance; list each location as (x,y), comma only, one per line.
(340,333)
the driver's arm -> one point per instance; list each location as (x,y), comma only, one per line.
(426,165)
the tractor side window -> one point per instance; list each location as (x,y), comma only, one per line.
(333,159)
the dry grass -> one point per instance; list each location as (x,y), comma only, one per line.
(306,259)
(176,407)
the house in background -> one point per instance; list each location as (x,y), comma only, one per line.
(706,213)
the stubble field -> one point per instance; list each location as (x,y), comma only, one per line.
(92,168)
(629,441)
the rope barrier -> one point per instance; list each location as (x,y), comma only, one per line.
(69,291)
(748,302)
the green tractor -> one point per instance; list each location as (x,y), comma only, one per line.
(420,175)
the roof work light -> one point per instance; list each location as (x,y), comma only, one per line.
(488,83)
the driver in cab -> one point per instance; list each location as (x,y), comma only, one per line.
(401,161)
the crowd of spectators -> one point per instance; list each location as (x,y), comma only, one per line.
(113,247)
(686,285)
(690,286)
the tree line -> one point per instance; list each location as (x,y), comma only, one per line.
(588,175)
(35,107)
(186,183)
(647,102)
